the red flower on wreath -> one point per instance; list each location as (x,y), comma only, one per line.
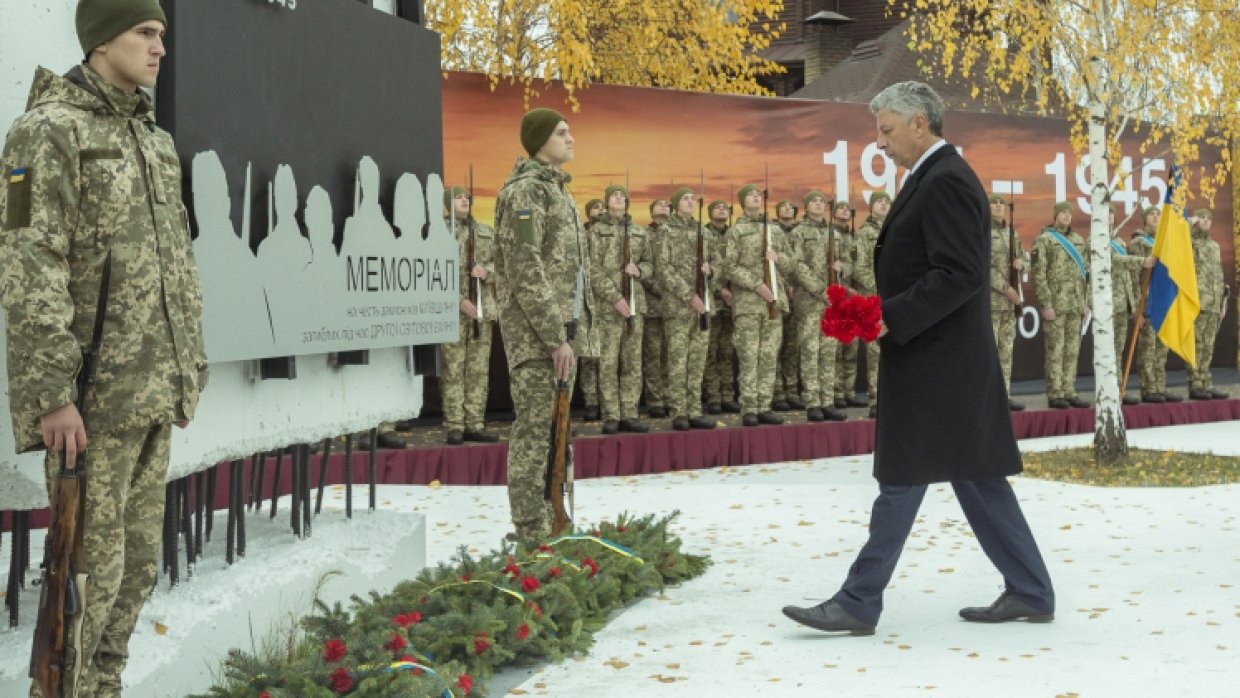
(544,548)
(405,620)
(334,650)
(396,644)
(341,681)
(622,529)
(523,632)
(466,682)
(555,571)
(481,644)
(591,564)
(535,608)
(265,694)
(529,584)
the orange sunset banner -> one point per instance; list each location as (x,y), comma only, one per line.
(660,140)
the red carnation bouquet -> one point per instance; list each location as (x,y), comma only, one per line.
(850,316)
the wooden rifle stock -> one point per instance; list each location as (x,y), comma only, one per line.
(475,291)
(700,286)
(559,458)
(768,276)
(626,281)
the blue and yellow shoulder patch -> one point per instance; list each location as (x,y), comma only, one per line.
(17,203)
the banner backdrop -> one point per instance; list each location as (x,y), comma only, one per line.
(659,140)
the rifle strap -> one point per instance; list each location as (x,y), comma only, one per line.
(101,307)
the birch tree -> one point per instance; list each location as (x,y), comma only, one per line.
(1110,65)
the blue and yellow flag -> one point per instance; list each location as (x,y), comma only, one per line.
(1172,306)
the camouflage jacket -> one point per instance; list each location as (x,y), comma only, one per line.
(607,263)
(863,257)
(1141,245)
(650,283)
(810,241)
(718,241)
(484,256)
(848,246)
(1212,288)
(1125,275)
(1001,267)
(744,263)
(539,248)
(88,173)
(1056,277)
(677,275)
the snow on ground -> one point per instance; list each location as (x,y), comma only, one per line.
(1146,581)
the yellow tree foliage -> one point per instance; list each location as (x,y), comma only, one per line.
(695,45)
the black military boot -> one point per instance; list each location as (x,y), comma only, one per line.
(732,407)
(770,418)
(1172,397)
(840,403)
(657,412)
(681,424)
(701,422)
(814,414)
(1199,394)
(714,408)
(592,413)
(833,414)
(633,426)
(1153,398)
(750,419)
(480,436)
(855,401)
(780,405)
(611,426)
(1219,394)
(456,437)
(796,403)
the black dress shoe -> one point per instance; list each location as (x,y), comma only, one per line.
(1153,398)
(840,403)
(1172,397)
(592,414)
(681,424)
(1075,401)
(1005,608)
(1015,406)
(714,408)
(814,414)
(657,412)
(1220,395)
(1130,400)
(701,422)
(611,426)
(770,418)
(482,437)
(828,617)
(750,419)
(855,401)
(780,406)
(732,407)
(633,426)
(456,437)
(1058,403)
(1198,394)
(796,403)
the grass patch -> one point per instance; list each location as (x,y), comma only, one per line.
(1142,468)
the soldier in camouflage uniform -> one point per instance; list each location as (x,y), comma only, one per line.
(619,327)
(842,218)
(1060,268)
(1151,359)
(88,178)
(654,340)
(719,384)
(541,249)
(1212,293)
(787,391)
(819,253)
(587,367)
(467,361)
(595,208)
(757,336)
(865,283)
(687,342)
(1004,298)
(1125,268)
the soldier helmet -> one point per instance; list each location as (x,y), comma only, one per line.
(100,21)
(536,128)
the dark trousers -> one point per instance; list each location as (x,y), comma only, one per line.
(996,519)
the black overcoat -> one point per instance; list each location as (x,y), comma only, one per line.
(943,408)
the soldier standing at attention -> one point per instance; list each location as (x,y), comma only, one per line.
(719,385)
(1212,293)
(1125,269)
(786,395)
(865,283)
(1061,281)
(466,362)
(594,210)
(654,341)
(587,367)
(93,186)
(1151,359)
(846,356)
(1004,298)
(687,342)
(811,241)
(620,348)
(541,253)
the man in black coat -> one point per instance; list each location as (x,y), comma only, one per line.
(932,265)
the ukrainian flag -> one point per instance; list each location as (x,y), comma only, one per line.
(1172,305)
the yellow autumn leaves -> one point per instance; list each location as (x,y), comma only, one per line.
(1141,468)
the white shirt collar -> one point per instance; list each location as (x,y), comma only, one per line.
(929,151)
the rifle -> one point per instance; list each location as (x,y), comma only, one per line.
(475,284)
(769,277)
(626,281)
(54,656)
(1013,245)
(558,477)
(700,286)
(831,280)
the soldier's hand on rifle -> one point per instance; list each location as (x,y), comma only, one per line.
(706,268)
(726,295)
(622,307)
(563,359)
(632,270)
(468,309)
(1012,295)
(1018,264)
(1048,314)
(182,424)
(1148,262)
(765,292)
(771,256)
(63,430)
(696,303)
(478,272)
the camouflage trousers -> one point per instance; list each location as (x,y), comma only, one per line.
(1003,322)
(1151,361)
(1063,346)
(757,339)
(846,369)
(587,380)
(686,359)
(719,383)
(1119,321)
(619,366)
(1205,331)
(533,394)
(123,523)
(818,354)
(654,362)
(788,378)
(463,385)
